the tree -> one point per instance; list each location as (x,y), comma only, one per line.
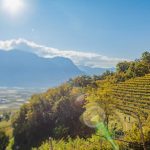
(123,66)
(52,114)
(146,57)
(140,69)
(33,123)
(4,139)
(102,96)
(81,81)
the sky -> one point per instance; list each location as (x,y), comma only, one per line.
(116,29)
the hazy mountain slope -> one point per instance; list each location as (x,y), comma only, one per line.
(94,71)
(19,68)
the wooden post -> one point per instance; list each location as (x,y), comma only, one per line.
(101,144)
(50,142)
(141,132)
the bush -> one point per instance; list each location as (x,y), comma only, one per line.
(4,139)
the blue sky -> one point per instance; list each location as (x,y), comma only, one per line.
(113,28)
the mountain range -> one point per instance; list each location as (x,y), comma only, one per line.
(19,68)
(25,69)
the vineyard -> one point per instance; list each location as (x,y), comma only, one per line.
(133,95)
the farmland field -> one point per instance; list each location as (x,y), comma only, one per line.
(13,98)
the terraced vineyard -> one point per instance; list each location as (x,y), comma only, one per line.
(133,96)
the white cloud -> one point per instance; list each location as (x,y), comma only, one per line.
(78,57)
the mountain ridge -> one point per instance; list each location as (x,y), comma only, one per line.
(20,68)
(26,69)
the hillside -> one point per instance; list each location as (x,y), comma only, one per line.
(24,69)
(133,95)
(113,108)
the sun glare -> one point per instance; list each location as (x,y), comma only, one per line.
(13,7)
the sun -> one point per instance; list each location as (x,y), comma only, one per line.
(13,7)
